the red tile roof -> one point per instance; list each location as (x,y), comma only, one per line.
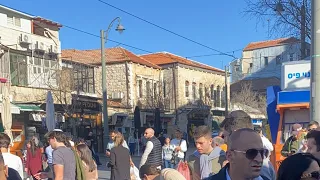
(163,58)
(270,43)
(113,55)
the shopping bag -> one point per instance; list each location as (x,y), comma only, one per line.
(134,173)
(183,168)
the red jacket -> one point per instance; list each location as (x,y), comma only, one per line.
(34,163)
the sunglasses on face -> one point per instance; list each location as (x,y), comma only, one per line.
(315,175)
(252,153)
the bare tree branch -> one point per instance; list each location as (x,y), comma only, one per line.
(249,100)
(286,23)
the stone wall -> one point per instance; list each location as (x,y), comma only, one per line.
(30,94)
(116,81)
(146,74)
(196,76)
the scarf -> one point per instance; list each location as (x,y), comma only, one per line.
(80,174)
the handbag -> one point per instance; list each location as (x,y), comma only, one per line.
(174,155)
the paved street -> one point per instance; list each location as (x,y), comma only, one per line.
(104,172)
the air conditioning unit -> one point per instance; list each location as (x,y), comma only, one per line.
(24,39)
(53,49)
(39,46)
(117,95)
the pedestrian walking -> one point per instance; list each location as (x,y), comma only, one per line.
(3,169)
(63,158)
(167,151)
(119,159)
(153,152)
(132,144)
(90,167)
(13,162)
(180,147)
(33,159)
(207,160)
(299,166)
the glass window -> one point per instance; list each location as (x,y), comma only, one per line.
(218,97)
(187,89)
(17,22)
(278,59)
(201,91)
(155,90)
(291,57)
(46,63)
(10,20)
(212,92)
(140,88)
(266,61)
(18,69)
(148,89)
(194,92)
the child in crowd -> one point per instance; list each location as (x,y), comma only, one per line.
(167,150)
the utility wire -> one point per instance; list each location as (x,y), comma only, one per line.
(217,54)
(167,30)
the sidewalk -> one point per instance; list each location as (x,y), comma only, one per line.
(104,172)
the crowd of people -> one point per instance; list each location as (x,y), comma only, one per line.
(239,152)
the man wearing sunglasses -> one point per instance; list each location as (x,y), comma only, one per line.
(245,155)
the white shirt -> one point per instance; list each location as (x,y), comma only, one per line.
(183,146)
(147,151)
(14,162)
(229,178)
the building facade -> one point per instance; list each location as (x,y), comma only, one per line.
(30,60)
(264,59)
(131,81)
(193,90)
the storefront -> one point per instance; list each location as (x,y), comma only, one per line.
(288,105)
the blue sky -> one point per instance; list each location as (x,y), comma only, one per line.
(217,24)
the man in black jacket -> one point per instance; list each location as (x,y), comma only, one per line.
(153,152)
(245,155)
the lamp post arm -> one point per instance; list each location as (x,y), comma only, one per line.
(110,26)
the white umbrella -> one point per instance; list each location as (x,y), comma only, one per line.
(6,115)
(50,119)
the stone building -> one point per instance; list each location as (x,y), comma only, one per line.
(29,59)
(194,89)
(131,81)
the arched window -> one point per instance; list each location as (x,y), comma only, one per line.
(223,97)
(148,87)
(218,97)
(212,92)
(187,89)
(140,88)
(194,92)
(201,91)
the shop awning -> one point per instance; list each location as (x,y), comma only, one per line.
(29,108)
(14,109)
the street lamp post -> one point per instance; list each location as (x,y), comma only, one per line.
(279,9)
(226,75)
(104,39)
(315,64)
(315,55)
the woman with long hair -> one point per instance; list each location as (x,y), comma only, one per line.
(90,167)
(33,158)
(299,166)
(119,160)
